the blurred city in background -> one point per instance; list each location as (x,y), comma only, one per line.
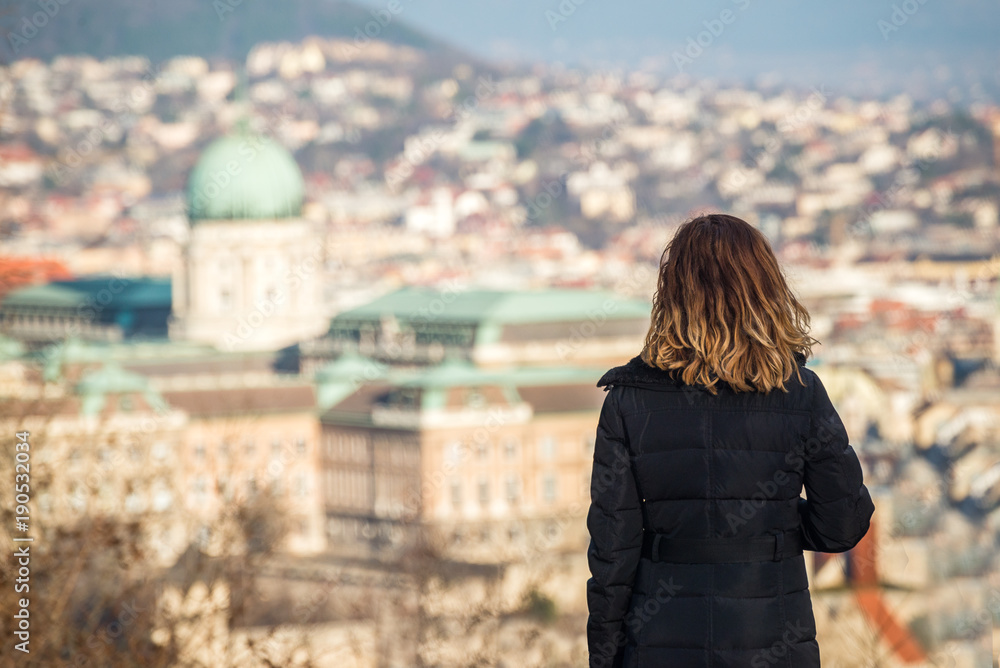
(303,308)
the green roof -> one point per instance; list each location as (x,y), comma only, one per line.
(499,306)
(450,372)
(245,177)
(10,348)
(74,349)
(457,372)
(350,366)
(111,378)
(340,378)
(97,292)
(51,294)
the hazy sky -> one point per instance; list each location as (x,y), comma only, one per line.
(931,43)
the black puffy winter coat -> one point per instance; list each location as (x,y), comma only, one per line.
(674,460)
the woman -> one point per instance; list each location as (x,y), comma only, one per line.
(704,444)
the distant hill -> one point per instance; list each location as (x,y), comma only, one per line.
(161,29)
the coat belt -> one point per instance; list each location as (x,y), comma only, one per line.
(776,546)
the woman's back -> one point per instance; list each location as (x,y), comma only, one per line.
(725,469)
(697,522)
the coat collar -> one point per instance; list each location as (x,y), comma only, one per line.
(637,371)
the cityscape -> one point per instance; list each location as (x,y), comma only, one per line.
(303,346)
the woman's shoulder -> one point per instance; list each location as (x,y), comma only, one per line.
(636,371)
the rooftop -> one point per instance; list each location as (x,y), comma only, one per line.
(499,306)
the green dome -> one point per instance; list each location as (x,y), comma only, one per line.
(245,177)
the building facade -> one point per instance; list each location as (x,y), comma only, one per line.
(249,275)
(490,465)
(491,328)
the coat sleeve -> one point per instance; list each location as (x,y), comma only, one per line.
(615,525)
(837,511)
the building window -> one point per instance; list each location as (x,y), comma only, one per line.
(475,398)
(514,532)
(483,451)
(454,452)
(300,445)
(301,485)
(510,448)
(199,451)
(549,488)
(588,443)
(225,300)
(275,447)
(547,447)
(160,450)
(456,494)
(513,488)
(484,492)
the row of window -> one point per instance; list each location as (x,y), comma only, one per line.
(512,490)
(546,451)
(158,498)
(272,263)
(300,485)
(161,449)
(272,296)
(115,455)
(514,532)
(339,528)
(249,448)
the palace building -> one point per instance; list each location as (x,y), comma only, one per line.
(250,274)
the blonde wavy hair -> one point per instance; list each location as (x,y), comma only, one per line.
(723,310)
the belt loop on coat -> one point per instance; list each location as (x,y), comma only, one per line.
(779,544)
